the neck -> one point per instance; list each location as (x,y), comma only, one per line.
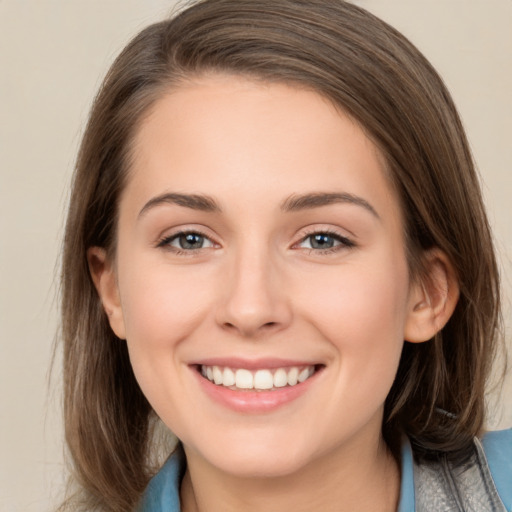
(361,477)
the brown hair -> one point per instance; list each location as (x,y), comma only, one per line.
(379,78)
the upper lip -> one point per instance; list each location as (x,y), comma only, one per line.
(253,364)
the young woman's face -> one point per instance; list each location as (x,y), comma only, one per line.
(261,275)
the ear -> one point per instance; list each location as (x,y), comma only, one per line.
(432,298)
(103,275)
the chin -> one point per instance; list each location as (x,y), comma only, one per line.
(267,465)
(259,458)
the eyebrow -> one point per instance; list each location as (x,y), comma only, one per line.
(193,201)
(293,204)
(315,200)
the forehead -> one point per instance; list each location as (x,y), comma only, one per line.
(222,133)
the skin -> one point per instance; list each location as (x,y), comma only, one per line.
(258,289)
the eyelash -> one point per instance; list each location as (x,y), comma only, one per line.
(344,242)
(165,242)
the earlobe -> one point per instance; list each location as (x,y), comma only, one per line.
(104,278)
(433,299)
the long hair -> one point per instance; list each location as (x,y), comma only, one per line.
(381,80)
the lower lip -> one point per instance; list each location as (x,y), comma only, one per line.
(250,401)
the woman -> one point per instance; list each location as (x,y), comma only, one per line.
(277,244)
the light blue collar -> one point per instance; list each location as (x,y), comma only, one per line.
(163,492)
(407,498)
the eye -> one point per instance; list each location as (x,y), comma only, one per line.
(186,241)
(325,241)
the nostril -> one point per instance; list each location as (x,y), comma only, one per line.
(250,330)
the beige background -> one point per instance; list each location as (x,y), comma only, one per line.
(53,54)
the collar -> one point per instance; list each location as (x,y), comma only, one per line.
(162,493)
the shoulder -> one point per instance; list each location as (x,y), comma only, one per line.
(162,493)
(485,477)
(498,452)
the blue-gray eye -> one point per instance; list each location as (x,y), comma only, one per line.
(187,241)
(325,241)
(191,241)
(322,241)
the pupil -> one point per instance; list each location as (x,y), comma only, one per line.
(322,241)
(191,241)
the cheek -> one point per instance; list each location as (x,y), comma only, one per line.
(161,307)
(360,297)
(361,310)
(362,317)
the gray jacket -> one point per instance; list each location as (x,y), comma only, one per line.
(444,487)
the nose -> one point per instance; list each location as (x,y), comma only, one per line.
(254,300)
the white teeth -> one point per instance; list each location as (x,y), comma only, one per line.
(280,378)
(263,379)
(228,377)
(217,375)
(293,376)
(244,379)
(303,375)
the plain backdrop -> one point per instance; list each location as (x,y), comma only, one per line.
(53,54)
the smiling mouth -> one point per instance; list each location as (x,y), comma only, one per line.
(241,379)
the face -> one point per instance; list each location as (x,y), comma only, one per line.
(260,279)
